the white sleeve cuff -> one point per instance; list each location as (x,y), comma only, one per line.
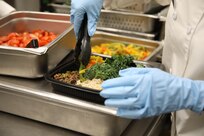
(5,9)
(163,2)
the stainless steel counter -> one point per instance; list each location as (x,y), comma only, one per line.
(37,102)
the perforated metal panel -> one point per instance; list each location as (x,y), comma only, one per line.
(125,21)
(133,22)
(61,8)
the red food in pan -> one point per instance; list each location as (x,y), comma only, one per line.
(22,39)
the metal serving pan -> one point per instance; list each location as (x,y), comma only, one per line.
(136,24)
(33,63)
(149,36)
(104,37)
(35,99)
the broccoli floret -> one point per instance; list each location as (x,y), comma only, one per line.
(101,71)
(109,69)
(122,61)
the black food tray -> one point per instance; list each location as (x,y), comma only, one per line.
(88,94)
(76,91)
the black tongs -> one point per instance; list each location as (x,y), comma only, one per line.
(83,47)
(33,44)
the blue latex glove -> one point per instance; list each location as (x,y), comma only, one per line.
(144,92)
(79,8)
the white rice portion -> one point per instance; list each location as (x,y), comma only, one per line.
(94,84)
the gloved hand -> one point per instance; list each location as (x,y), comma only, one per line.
(144,92)
(79,8)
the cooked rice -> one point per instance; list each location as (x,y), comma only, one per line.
(94,84)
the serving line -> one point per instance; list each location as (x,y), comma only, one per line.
(36,100)
(47,94)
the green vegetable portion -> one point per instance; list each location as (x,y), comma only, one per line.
(109,69)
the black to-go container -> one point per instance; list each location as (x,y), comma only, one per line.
(76,91)
(71,90)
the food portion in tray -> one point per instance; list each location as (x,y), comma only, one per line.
(138,52)
(96,71)
(22,39)
(73,80)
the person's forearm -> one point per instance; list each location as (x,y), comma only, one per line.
(5,8)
